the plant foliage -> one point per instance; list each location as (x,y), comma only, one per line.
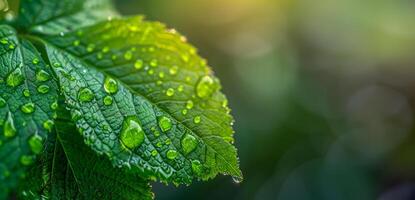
(96,106)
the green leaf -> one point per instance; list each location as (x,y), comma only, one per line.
(27,93)
(142,96)
(60,16)
(71,170)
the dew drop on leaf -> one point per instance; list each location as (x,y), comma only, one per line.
(173,70)
(27,160)
(15,78)
(170,92)
(36,144)
(76,42)
(205,87)
(108,100)
(197,119)
(138,64)
(154,63)
(165,123)
(43,89)
(54,105)
(26,93)
(48,125)
(110,85)
(9,128)
(90,47)
(42,76)
(28,108)
(184,111)
(35,61)
(128,55)
(85,95)
(132,134)
(196,167)
(189,143)
(189,104)
(171,154)
(154,152)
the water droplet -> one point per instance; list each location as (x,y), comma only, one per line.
(189,104)
(90,47)
(170,92)
(100,56)
(180,88)
(85,95)
(159,82)
(154,152)
(26,93)
(237,180)
(76,42)
(161,74)
(197,167)
(128,55)
(48,125)
(197,119)
(205,87)
(173,70)
(184,111)
(11,46)
(35,61)
(150,72)
(159,144)
(154,63)
(171,154)
(9,128)
(42,76)
(57,65)
(26,160)
(138,64)
(189,143)
(165,123)
(132,134)
(108,100)
(28,108)
(15,78)
(2,102)
(36,144)
(43,89)
(110,85)
(54,105)
(4,41)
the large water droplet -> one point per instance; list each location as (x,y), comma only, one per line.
(110,85)
(205,87)
(2,102)
(15,78)
(42,76)
(165,123)
(85,95)
(9,128)
(171,154)
(170,92)
(189,143)
(132,134)
(43,89)
(108,100)
(28,108)
(36,144)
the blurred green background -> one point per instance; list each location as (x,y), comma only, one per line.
(322,92)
